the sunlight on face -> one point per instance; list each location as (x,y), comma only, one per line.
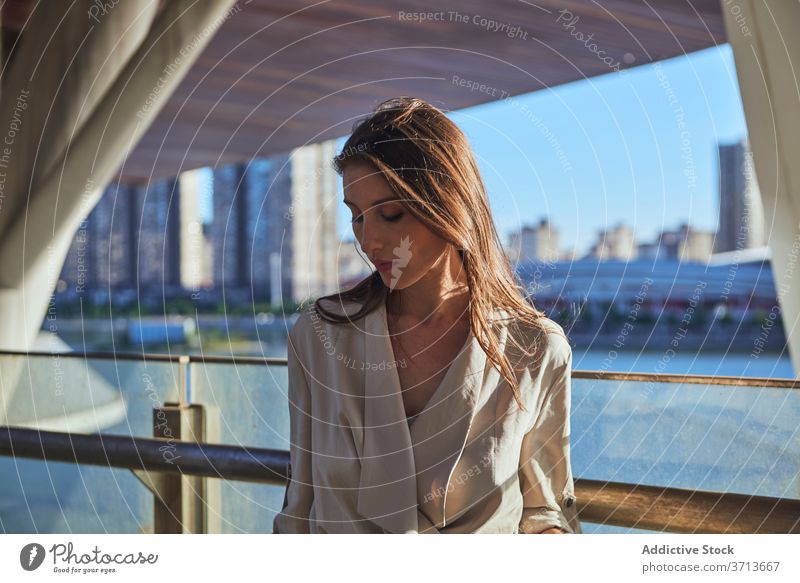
(386,230)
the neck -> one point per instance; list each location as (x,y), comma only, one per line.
(441,297)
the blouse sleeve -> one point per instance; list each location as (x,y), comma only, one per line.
(545,473)
(299,495)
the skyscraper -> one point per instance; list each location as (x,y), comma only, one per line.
(618,243)
(250,232)
(741,212)
(269,198)
(102,254)
(534,243)
(313,220)
(195,246)
(685,244)
(227,231)
(157,252)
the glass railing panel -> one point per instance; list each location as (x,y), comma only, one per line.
(720,438)
(81,395)
(594,528)
(86,395)
(65,498)
(245,404)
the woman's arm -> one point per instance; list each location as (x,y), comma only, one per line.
(294,517)
(545,474)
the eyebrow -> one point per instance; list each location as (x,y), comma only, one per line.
(377,202)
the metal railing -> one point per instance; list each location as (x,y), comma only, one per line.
(227,462)
(177,480)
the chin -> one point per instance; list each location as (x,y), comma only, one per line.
(399,283)
(399,286)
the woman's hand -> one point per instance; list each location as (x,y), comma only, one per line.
(553,530)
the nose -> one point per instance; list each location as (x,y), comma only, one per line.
(370,239)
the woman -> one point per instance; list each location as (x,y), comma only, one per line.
(432,397)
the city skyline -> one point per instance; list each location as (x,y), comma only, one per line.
(308,190)
(227,227)
(537,158)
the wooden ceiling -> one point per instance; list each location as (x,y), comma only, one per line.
(283,73)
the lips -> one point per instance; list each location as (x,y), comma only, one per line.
(382,265)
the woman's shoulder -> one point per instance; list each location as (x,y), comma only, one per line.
(557,342)
(556,336)
(310,318)
(546,337)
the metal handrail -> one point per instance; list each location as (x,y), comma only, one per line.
(145,356)
(614,503)
(228,462)
(689,379)
(685,511)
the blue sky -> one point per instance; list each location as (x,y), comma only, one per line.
(638,147)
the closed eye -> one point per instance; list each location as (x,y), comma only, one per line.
(393,219)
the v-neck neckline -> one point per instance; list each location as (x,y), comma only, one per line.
(444,380)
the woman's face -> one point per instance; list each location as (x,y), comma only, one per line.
(400,246)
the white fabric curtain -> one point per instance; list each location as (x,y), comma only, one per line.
(83,86)
(766,48)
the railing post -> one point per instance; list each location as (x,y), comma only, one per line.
(179,505)
(179,501)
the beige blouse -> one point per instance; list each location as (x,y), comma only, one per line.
(470,462)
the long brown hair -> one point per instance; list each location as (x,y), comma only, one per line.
(430,166)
